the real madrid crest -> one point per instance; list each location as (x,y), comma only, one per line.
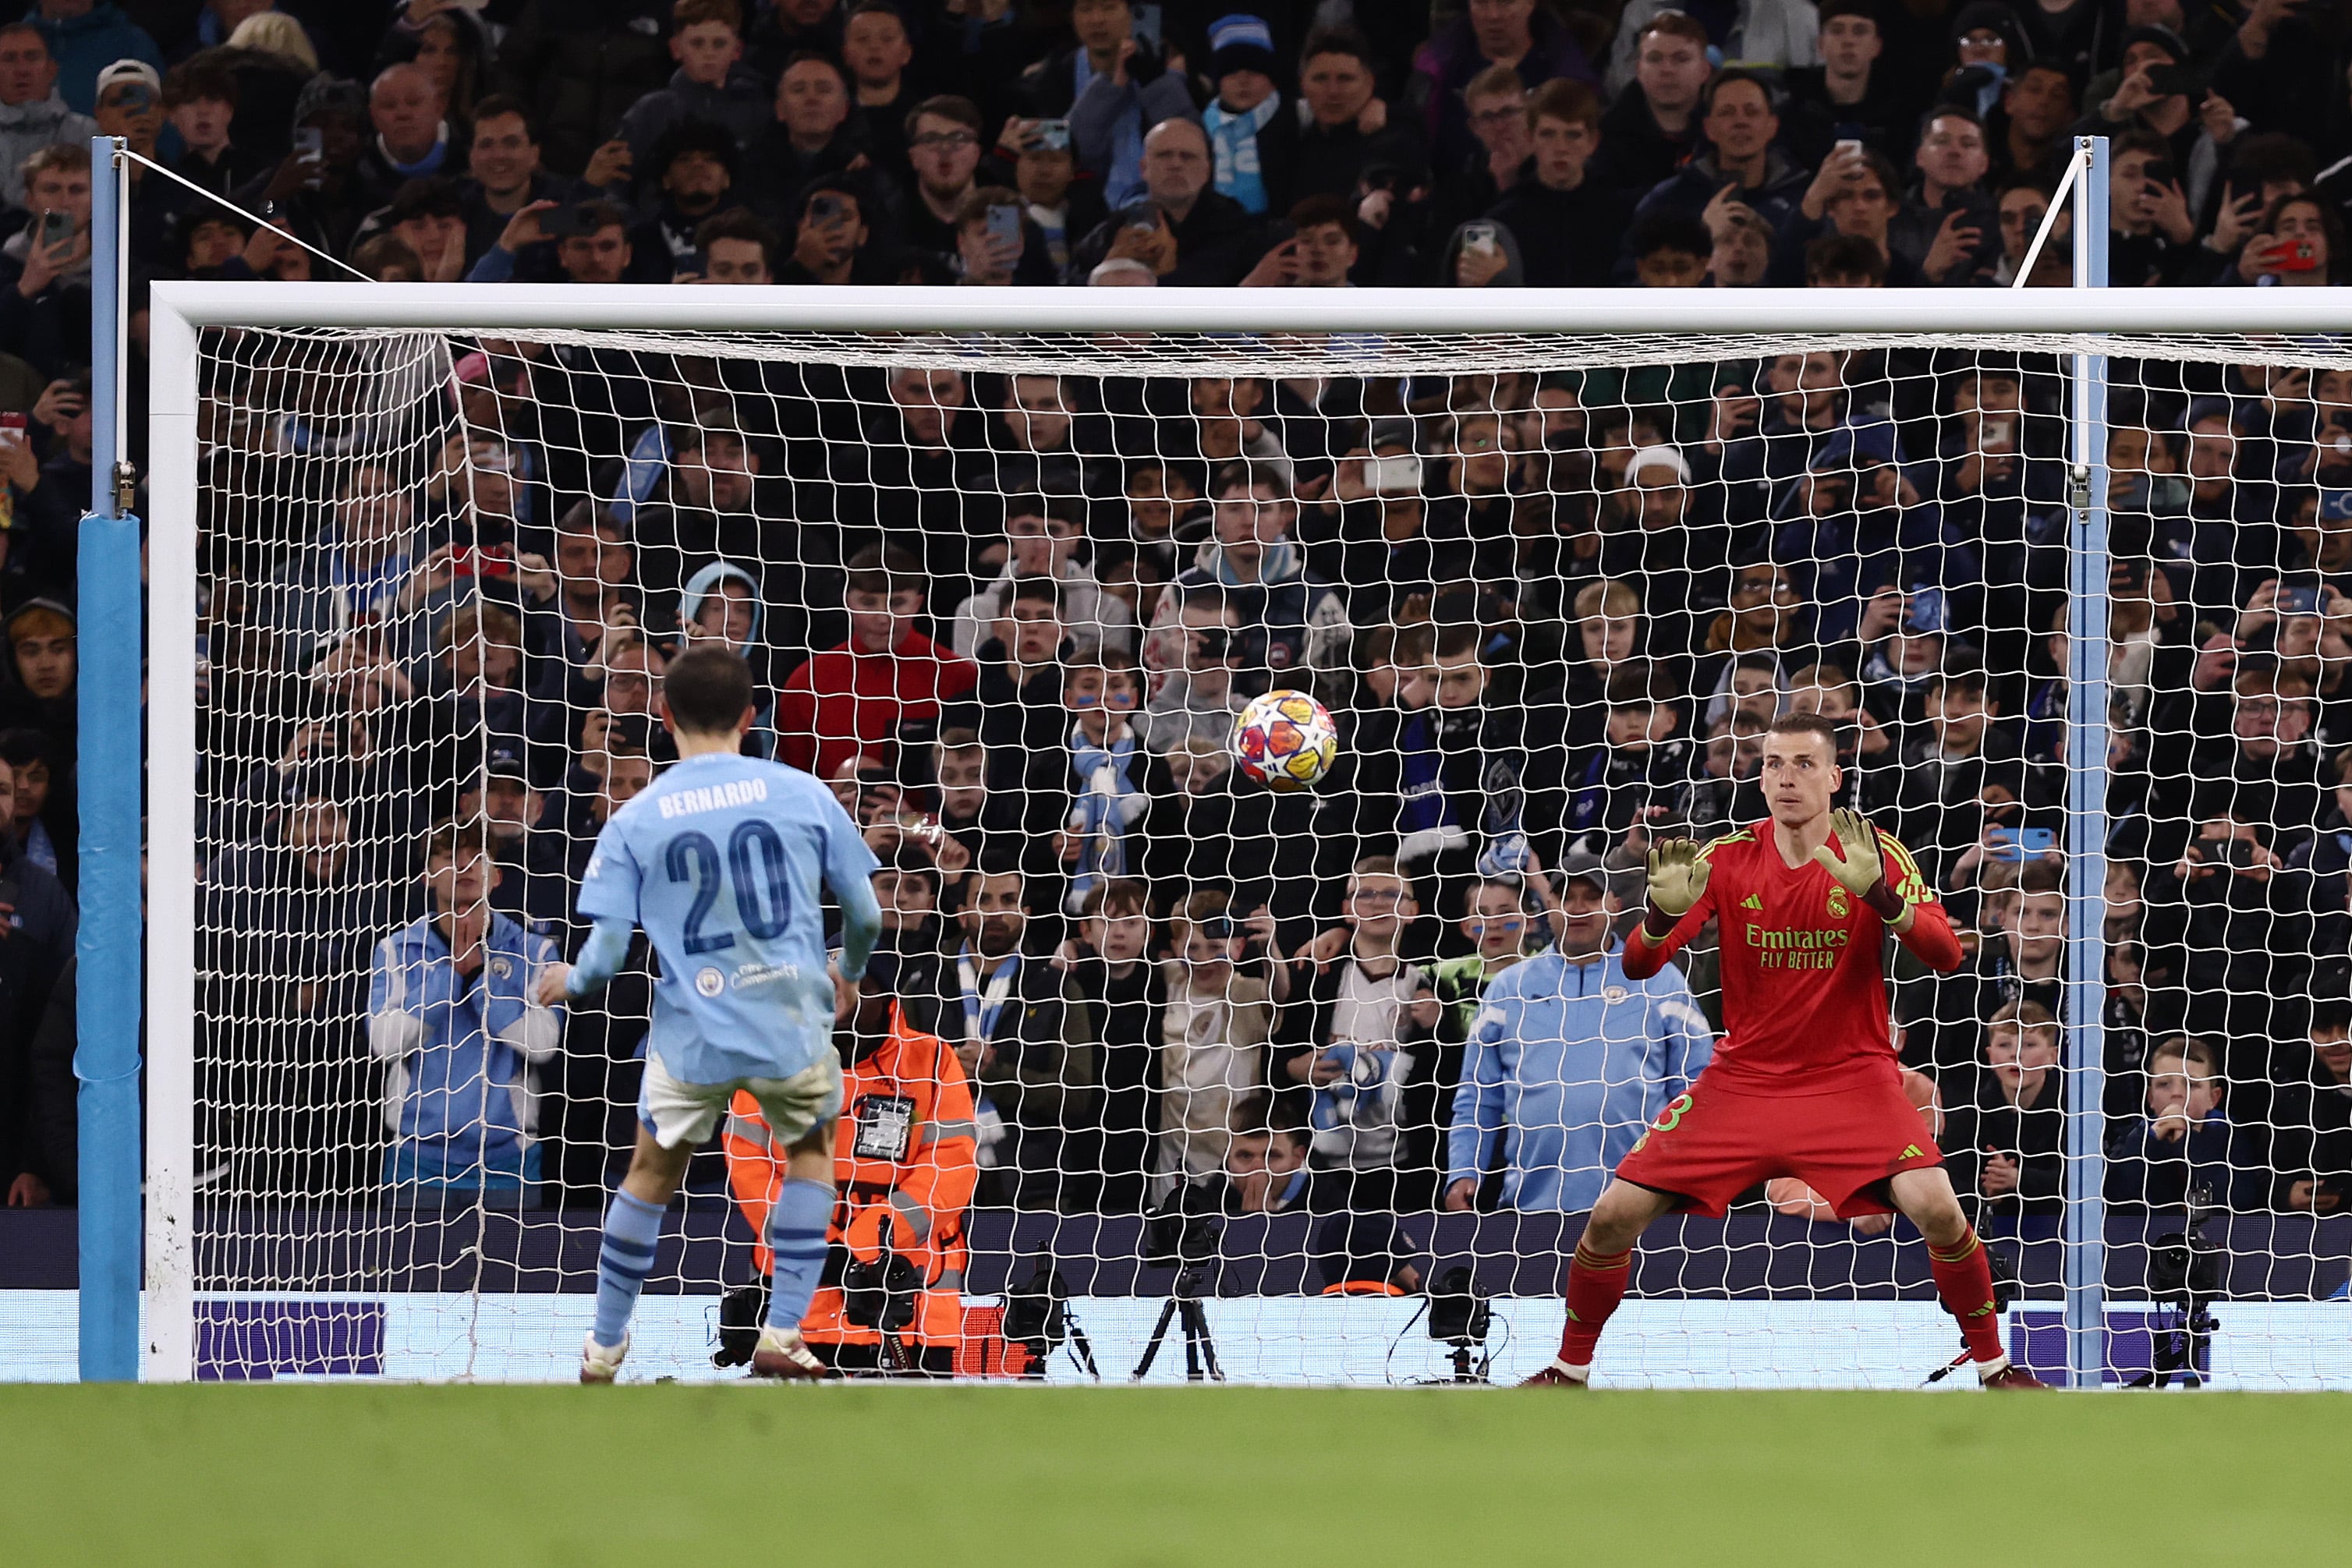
(1837,902)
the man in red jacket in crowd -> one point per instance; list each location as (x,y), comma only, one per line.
(857,697)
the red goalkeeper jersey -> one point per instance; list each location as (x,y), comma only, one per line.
(1804,977)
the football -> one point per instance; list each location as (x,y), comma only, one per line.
(1285,740)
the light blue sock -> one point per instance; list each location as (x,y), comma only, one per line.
(797,1236)
(632,1228)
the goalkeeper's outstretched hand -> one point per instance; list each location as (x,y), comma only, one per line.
(1677,877)
(1861,867)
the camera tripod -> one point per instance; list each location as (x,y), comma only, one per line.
(2179,1348)
(1183,1304)
(2187,1275)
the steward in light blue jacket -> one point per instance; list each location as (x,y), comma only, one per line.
(458,1049)
(1567,1061)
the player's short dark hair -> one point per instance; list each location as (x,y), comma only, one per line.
(706,688)
(1806,724)
(2331,1016)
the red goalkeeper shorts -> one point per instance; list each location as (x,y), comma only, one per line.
(1714,1142)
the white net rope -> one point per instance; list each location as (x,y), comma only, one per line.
(1006,594)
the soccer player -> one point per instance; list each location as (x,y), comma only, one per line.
(723,860)
(1805,1084)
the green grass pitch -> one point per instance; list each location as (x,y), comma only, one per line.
(513,1477)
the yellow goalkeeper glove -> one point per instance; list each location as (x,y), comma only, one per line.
(1861,869)
(1677,878)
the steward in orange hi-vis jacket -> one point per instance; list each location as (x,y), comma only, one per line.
(905,1158)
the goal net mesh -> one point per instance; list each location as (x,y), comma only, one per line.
(1006,593)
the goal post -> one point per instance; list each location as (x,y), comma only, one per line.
(2087,806)
(1105,334)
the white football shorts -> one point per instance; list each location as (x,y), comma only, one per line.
(682,1114)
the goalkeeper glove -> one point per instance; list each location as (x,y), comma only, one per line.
(1678,881)
(1861,869)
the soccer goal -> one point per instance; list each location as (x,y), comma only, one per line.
(2067,568)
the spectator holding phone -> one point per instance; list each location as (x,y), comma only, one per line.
(2148,215)
(45,266)
(1113,88)
(318,194)
(2162,93)
(997,245)
(830,236)
(2300,246)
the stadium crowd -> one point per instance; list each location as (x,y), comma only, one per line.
(1010,617)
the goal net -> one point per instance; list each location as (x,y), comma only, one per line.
(1005,592)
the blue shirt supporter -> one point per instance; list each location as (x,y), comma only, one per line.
(1567,1063)
(725,860)
(458,1047)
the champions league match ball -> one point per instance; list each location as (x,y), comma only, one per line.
(1285,740)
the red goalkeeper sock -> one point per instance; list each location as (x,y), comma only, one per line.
(1964,1279)
(1596,1283)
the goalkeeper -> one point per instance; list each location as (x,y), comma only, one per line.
(724,861)
(1805,1083)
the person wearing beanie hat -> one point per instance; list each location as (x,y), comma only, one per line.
(1988,47)
(2161,91)
(1242,62)
(319,197)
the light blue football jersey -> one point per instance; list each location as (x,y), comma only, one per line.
(723,862)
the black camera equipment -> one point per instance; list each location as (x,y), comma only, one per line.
(881,1294)
(1038,1319)
(1182,1234)
(1459,1316)
(2185,1272)
(741,1310)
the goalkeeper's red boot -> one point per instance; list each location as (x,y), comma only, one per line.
(1555,1373)
(2009,1376)
(784,1354)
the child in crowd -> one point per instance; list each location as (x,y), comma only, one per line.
(2185,1153)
